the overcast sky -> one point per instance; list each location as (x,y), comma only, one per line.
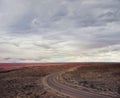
(59,30)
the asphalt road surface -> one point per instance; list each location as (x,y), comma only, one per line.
(71,91)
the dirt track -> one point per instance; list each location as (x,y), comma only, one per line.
(70,91)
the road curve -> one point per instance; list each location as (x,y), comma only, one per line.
(70,91)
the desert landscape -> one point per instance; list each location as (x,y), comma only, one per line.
(59,48)
(27,81)
(101,78)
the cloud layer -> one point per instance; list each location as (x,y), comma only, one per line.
(59,30)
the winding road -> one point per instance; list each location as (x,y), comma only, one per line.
(73,92)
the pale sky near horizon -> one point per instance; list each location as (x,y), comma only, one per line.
(59,30)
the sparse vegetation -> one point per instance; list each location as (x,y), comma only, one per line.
(26,82)
(104,78)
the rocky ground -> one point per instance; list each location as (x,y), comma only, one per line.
(102,78)
(26,83)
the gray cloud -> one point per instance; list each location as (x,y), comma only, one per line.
(59,30)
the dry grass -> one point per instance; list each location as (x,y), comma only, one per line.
(100,77)
(26,82)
